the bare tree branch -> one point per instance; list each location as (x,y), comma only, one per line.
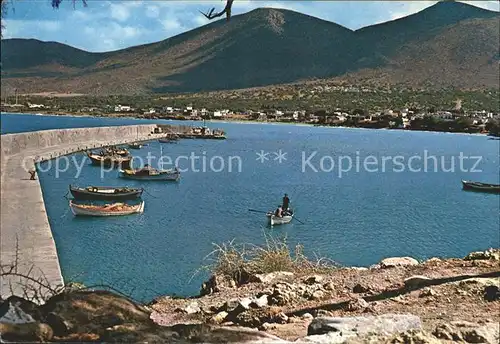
(227,10)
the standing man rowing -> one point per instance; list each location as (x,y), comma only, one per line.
(286,202)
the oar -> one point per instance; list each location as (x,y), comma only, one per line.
(258,211)
(298,220)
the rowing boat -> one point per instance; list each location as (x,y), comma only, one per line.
(105,193)
(276,220)
(482,187)
(149,173)
(115,209)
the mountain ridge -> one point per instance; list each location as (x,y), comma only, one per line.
(268,46)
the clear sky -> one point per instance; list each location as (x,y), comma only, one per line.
(110,25)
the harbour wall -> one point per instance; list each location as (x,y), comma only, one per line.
(26,239)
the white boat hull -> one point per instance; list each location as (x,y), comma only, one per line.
(82,211)
(275,220)
(162,176)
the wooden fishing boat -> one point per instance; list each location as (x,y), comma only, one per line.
(105,193)
(109,160)
(482,187)
(117,151)
(114,209)
(149,173)
(167,140)
(135,145)
(276,220)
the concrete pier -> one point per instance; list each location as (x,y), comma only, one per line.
(26,239)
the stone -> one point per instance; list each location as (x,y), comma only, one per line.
(364,325)
(280,318)
(462,323)
(230,305)
(359,289)
(283,293)
(433,260)
(12,311)
(491,293)
(315,279)
(191,308)
(329,286)
(294,320)
(397,261)
(317,295)
(271,277)
(307,316)
(427,292)
(357,305)
(267,326)
(219,317)
(95,311)
(488,333)
(321,313)
(328,338)
(16,310)
(26,332)
(245,303)
(444,331)
(59,325)
(491,253)
(415,337)
(260,302)
(414,282)
(215,284)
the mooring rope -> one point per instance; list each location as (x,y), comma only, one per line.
(150,194)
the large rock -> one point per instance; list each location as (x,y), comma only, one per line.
(93,311)
(16,310)
(216,284)
(493,254)
(491,293)
(272,277)
(383,324)
(397,261)
(25,332)
(416,281)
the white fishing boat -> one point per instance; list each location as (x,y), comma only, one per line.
(276,220)
(114,209)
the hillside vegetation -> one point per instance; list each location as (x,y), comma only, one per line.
(449,44)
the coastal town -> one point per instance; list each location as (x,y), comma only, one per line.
(445,120)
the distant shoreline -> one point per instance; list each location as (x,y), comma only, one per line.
(237,121)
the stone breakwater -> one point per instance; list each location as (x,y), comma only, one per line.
(26,240)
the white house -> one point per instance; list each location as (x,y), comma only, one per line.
(36,106)
(217,114)
(122,108)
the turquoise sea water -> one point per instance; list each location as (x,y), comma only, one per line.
(356,217)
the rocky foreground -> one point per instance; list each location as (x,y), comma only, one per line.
(398,300)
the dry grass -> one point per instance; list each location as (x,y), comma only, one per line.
(239,261)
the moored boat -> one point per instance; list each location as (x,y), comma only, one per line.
(167,140)
(105,193)
(135,145)
(149,173)
(114,209)
(482,187)
(109,160)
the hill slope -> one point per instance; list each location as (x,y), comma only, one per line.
(454,41)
